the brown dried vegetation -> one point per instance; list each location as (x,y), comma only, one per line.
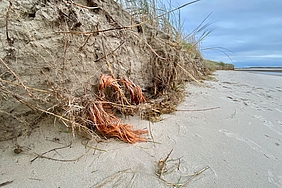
(52,59)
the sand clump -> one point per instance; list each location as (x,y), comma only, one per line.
(54,52)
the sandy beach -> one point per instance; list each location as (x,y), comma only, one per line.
(226,133)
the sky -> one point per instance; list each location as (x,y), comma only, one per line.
(249,32)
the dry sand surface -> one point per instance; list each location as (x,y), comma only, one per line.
(227,134)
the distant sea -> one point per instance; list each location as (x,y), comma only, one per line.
(268,73)
(275,71)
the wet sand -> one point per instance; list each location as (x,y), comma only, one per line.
(227,133)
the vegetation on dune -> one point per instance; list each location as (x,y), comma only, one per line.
(166,18)
(139,58)
(212,66)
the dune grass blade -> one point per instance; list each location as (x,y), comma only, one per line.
(180,7)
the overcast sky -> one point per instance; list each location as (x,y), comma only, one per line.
(251,29)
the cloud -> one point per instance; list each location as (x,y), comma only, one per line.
(250,29)
(267,56)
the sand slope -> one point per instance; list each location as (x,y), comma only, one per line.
(229,131)
(65,46)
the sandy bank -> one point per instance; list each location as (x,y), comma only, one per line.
(230,132)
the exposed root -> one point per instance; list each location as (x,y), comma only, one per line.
(110,126)
(87,115)
(106,81)
(136,95)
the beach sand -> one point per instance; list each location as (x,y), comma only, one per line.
(227,133)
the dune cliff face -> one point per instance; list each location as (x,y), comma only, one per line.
(52,48)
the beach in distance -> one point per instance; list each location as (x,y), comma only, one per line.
(276,71)
(227,132)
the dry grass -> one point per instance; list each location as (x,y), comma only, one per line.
(71,92)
